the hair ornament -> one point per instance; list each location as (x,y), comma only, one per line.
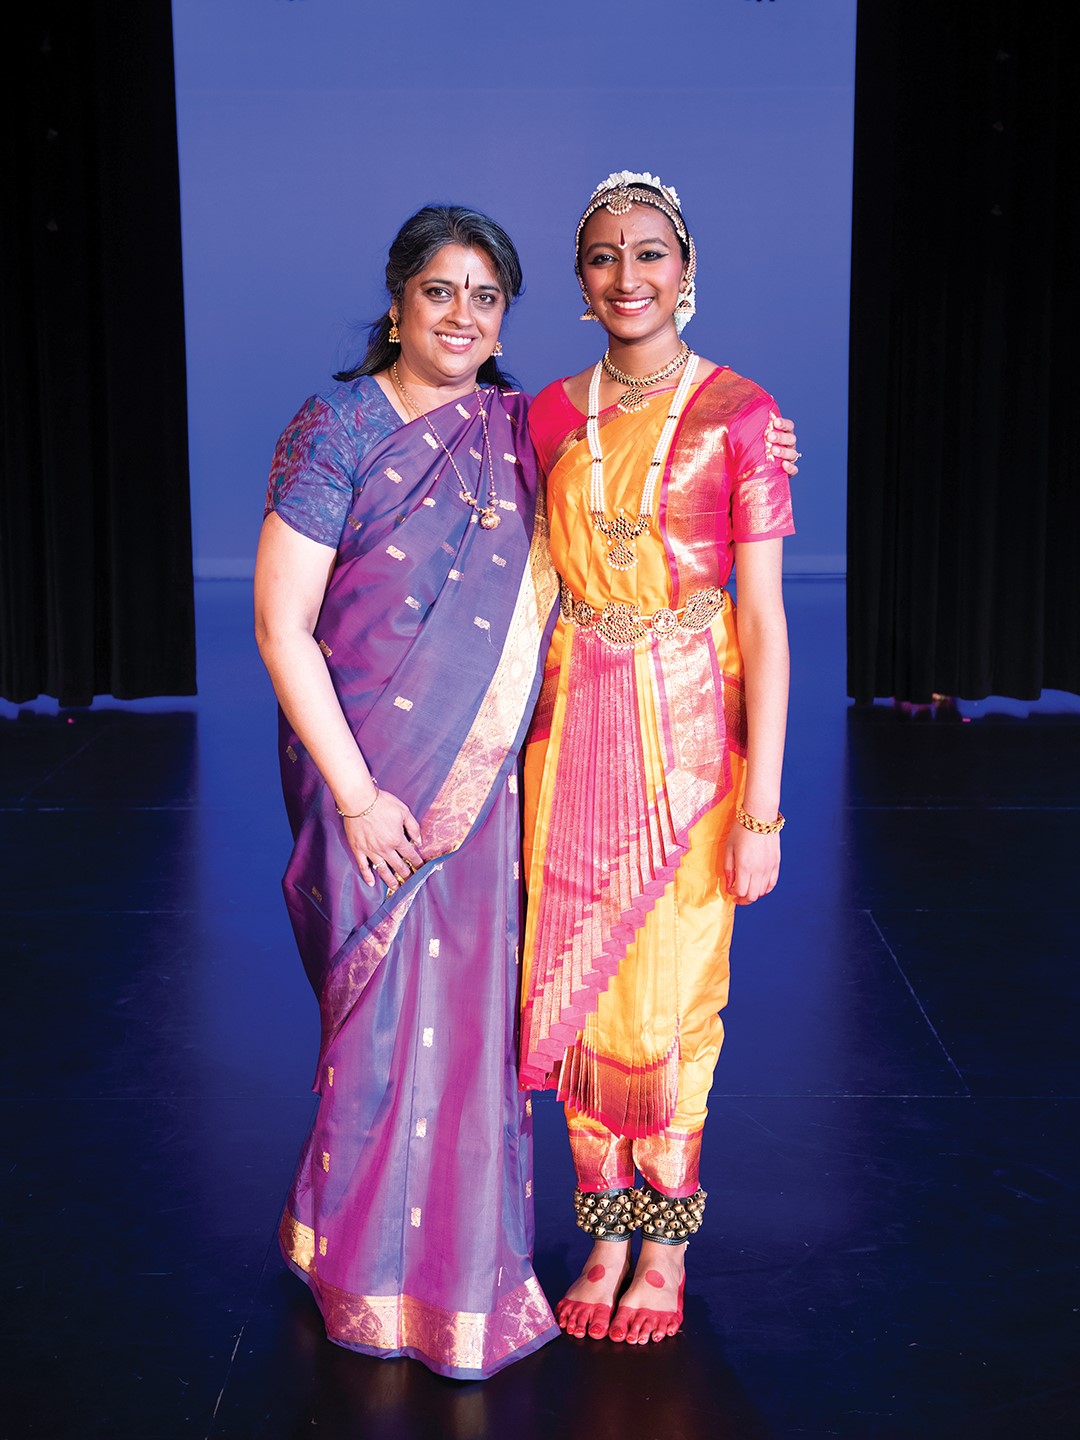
(623,189)
(621,180)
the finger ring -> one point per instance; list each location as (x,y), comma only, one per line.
(798,454)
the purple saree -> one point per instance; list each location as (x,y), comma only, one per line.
(410,1217)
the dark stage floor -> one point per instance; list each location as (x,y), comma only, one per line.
(891,1243)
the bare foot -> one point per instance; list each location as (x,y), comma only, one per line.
(586,1307)
(652,1308)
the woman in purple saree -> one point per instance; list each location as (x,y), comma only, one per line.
(403,591)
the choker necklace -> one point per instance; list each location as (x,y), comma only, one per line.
(490,519)
(622,532)
(634,399)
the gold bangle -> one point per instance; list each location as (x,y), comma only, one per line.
(759,827)
(361,813)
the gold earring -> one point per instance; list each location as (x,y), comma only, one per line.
(498,349)
(393,336)
(589,314)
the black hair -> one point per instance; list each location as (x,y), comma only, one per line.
(421,237)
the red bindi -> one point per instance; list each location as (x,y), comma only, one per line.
(596,1273)
(622,241)
(466,282)
(655,1279)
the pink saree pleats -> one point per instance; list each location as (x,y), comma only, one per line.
(636,768)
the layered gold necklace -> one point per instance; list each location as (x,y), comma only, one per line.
(635,398)
(623,532)
(488,514)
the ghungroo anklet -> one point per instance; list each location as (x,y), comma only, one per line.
(606,1215)
(666,1220)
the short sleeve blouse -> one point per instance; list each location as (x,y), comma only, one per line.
(761,492)
(318,462)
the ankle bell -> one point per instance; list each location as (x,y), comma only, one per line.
(605,1214)
(667,1220)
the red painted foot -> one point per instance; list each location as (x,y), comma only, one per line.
(637,1326)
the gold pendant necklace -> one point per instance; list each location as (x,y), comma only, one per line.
(635,398)
(488,514)
(623,532)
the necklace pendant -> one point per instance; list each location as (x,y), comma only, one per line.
(621,557)
(631,402)
(488,518)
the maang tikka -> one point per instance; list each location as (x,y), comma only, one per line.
(621,190)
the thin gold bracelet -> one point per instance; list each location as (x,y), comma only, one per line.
(759,827)
(361,813)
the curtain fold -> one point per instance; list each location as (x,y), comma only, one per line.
(963,494)
(96,593)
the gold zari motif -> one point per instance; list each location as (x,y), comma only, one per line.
(465,1339)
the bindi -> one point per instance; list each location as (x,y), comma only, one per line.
(466,282)
(622,241)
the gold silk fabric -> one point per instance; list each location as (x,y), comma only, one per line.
(634,765)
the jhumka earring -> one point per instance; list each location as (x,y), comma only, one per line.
(393,335)
(498,349)
(589,313)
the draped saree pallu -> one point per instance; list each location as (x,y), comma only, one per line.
(410,1217)
(634,765)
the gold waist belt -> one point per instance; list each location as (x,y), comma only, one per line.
(621,624)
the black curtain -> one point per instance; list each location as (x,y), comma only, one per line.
(964,480)
(96,591)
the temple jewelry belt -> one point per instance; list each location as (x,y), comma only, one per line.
(621,624)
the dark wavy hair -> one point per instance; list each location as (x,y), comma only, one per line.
(422,236)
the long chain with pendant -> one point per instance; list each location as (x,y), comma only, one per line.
(622,531)
(488,514)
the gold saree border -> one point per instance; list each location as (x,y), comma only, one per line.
(602,1161)
(670,1162)
(453,812)
(692,503)
(348,977)
(454,1339)
(461,796)
(631,1098)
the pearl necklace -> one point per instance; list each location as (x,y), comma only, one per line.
(620,531)
(490,519)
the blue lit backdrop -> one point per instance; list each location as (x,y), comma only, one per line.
(309,129)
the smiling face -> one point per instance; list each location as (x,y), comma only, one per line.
(632,268)
(449,318)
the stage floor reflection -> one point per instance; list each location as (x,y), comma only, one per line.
(890,1250)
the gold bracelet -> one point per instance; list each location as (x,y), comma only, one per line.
(759,827)
(361,813)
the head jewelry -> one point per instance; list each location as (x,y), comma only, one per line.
(616,195)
